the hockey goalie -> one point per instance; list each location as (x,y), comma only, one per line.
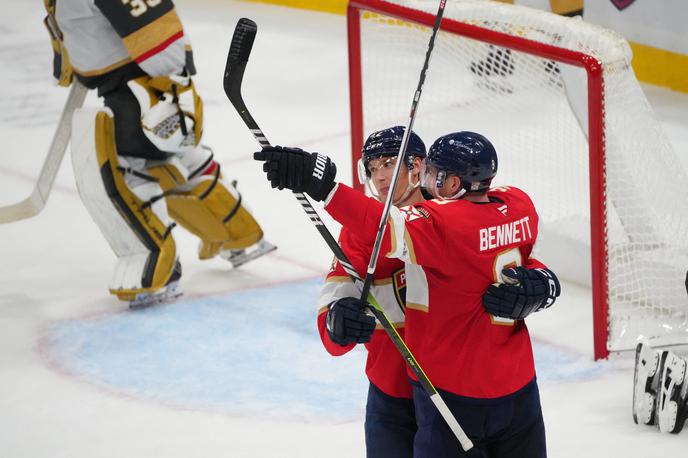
(139,163)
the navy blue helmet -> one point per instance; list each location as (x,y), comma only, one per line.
(468,155)
(386,143)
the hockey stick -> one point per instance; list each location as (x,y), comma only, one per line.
(237,58)
(33,204)
(402,153)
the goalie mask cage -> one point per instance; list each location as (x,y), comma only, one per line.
(572,127)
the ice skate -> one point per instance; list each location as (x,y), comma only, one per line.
(645,384)
(255,251)
(671,402)
(167,294)
(170,292)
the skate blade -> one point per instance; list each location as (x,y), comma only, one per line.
(261,249)
(644,396)
(671,408)
(145,300)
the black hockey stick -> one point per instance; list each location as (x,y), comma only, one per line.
(237,58)
(239,51)
(402,153)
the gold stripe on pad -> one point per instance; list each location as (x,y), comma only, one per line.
(153,34)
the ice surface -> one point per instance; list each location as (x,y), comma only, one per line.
(234,368)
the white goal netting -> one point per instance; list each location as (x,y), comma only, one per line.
(535,110)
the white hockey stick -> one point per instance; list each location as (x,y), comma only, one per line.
(33,204)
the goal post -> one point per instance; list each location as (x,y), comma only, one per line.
(559,99)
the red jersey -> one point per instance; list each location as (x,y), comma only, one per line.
(385,367)
(454,249)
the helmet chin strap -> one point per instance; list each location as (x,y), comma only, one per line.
(456,196)
(435,193)
(409,189)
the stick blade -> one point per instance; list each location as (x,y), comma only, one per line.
(239,51)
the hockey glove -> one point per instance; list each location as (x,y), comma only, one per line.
(298,170)
(347,321)
(523,292)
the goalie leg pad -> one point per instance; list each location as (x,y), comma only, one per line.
(671,402)
(120,198)
(645,384)
(205,205)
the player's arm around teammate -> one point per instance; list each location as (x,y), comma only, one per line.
(461,241)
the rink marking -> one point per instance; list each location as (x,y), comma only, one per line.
(251,353)
(249,341)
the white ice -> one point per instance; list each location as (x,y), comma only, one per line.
(235,367)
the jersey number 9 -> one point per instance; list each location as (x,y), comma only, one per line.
(508,258)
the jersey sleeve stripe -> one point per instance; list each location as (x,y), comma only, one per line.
(393,235)
(413,306)
(401,243)
(409,246)
(154,37)
(161,47)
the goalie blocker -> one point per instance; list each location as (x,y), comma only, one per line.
(660,389)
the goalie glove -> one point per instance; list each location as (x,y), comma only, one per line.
(171,111)
(347,321)
(298,170)
(522,292)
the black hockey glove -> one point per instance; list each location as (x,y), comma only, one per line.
(347,321)
(523,292)
(298,170)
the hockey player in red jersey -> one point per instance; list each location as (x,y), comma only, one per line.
(390,423)
(476,282)
(139,163)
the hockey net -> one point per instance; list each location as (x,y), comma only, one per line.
(572,127)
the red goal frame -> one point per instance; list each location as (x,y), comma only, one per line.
(593,68)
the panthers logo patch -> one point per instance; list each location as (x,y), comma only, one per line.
(413,213)
(399,283)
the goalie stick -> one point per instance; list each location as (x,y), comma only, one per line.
(237,58)
(402,154)
(33,204)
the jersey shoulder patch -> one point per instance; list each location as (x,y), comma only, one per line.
(412,213)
